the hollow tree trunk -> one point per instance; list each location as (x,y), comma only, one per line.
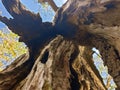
(64,63)
(60,66)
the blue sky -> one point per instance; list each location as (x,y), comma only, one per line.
(46,13)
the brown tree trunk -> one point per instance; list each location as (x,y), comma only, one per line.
(60,66)
(64,63)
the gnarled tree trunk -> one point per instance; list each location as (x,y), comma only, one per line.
(60,66)
(64,63)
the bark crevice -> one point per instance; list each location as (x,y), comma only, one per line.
(74,80)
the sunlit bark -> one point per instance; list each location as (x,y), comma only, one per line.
(88,23)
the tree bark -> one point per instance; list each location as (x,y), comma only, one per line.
(64,63)
(94,23)
(60,66)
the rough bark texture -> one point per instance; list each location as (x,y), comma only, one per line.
(61,64)
(94,23)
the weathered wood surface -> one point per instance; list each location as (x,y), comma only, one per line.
(93,23)
(60,66)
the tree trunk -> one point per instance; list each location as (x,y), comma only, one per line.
(60,66)
(64,63)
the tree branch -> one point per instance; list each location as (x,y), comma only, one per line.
(5,20)
(80,17)
(18,10)
(26,24)
(51,3)
(14,71)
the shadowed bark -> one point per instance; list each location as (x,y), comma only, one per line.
(60,66)
(94,23)
(88,23)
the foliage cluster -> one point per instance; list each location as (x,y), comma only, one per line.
(10,48)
